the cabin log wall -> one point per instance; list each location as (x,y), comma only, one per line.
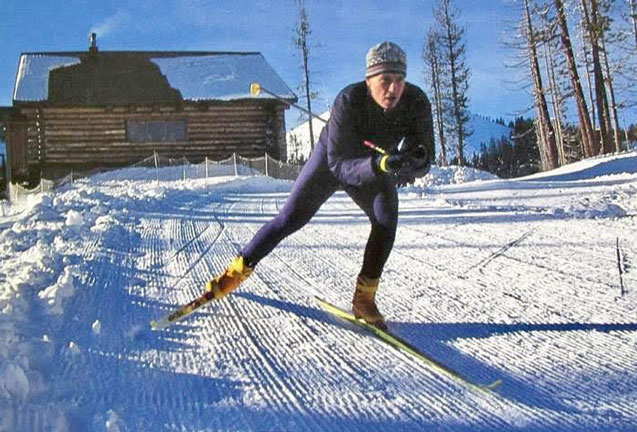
(86,137)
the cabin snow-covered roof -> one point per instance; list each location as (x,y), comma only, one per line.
(131,77)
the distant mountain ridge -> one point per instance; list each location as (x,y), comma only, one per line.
(484,130)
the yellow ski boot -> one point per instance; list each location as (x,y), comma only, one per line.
(228,281)
(364,303)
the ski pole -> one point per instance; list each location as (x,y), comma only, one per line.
(256,89)
(374,147)
(371,145)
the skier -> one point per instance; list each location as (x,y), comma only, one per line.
(393,115)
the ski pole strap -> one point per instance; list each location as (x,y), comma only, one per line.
(383,163)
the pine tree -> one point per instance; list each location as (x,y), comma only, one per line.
(433,75)
(456,73)
(301,42)
(526,149)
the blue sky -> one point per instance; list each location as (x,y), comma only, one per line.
(343,30)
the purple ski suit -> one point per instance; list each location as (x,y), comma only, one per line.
(341,160)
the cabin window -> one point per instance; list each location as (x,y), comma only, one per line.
(138,131)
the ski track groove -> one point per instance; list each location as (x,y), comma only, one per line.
(258,352)
(494,278)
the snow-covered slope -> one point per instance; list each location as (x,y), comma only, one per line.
(531,281)
(298,138)
(484,130)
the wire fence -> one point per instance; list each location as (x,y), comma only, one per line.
(161,168)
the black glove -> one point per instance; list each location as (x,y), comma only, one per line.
(420,161)
(391,163)
(405,166)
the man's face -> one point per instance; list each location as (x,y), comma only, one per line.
(386,89)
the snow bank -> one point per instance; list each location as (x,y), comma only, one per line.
(64,288)
(46,243)
(439,176)
(624,164)
(14,383)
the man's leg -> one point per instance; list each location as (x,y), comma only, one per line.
(313,187)
(380,203)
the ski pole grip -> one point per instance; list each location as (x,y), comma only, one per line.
(373,146)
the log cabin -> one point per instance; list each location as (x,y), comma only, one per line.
(99,109)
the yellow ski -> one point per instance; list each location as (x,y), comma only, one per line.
(182,311)
(405,346)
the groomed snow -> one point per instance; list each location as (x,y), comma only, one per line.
(528,280)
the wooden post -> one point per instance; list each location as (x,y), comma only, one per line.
(156,166)
(234,159)
(206,166)
(266,164)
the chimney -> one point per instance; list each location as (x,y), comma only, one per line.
(93,48)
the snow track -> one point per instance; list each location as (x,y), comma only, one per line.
(489,283)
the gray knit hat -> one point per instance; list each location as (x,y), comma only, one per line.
(385,57)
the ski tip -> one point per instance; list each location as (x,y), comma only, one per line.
(496,384)
(493,386)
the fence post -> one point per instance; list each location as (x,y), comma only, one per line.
(234,159)
(156,166)
(206,166)
(266,164)
(183,168)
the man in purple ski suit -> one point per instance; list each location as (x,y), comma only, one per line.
(384,110)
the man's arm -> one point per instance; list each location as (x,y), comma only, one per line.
(422,130)
(347,158)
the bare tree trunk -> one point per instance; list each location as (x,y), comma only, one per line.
(587,69)
(458,72)
(303,31)
(595,31)
(590,144)
(613,105)
(545,128)
(633,15)
(556,102)
(431,59)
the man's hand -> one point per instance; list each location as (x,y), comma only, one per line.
(420,161)
(405,166)
(392,163)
